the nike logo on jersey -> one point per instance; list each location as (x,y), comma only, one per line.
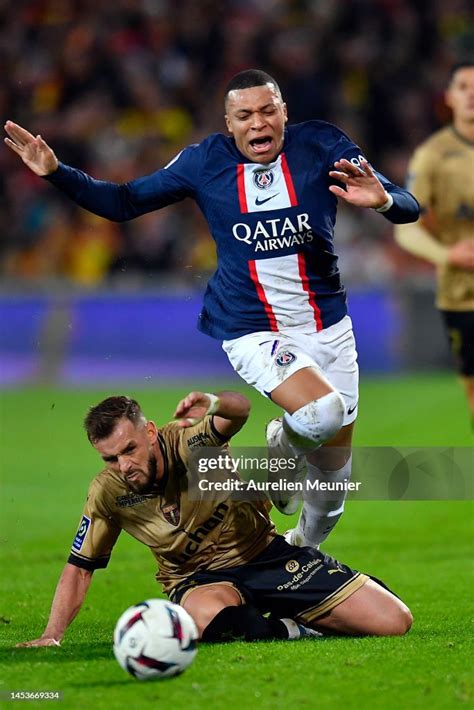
(259,202)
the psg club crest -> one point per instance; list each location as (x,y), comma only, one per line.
(285,358)
(171,513)
(263,178)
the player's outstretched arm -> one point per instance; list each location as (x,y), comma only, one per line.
(230,410)
(117,202)
(68,598)
(33,150)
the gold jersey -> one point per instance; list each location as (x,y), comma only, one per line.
(185,532)
(441,177)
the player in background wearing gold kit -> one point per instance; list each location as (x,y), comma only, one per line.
(219,555)
(441,177)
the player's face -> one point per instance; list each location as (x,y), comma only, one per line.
(256,118)
(129,451)
(460,95)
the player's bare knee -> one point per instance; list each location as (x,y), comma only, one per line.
(405,620)
(315,423)
(399,621)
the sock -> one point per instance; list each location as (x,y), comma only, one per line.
(321,509)
(243,623)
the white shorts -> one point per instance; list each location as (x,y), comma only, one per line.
(265,359)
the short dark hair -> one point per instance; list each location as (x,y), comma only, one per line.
(248,79)
(102,419)
(466,64)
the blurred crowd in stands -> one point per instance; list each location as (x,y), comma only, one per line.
(118,87)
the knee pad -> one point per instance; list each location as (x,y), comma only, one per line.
(315,423)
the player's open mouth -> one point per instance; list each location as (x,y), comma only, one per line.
(133,476)
(262,144)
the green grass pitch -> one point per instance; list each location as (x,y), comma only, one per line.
(423,550)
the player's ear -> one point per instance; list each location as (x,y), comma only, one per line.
(228,123)
(285,112)
(152,432)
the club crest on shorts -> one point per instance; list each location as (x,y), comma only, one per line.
(285,358)
(81,532)
(263,179)
(292,566)
(171,513)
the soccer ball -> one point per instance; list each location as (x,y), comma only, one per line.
(155,639)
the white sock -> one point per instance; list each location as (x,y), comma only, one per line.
(321,509)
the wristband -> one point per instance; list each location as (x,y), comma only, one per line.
(212,409)
(214,405)
(386,206)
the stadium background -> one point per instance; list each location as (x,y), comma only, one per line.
(88,307)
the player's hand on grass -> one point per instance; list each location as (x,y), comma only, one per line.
(362,186)
(34,151)
(38,642)
(193,408)
(461,255)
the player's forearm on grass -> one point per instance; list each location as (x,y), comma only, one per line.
(419,242)
(68,598)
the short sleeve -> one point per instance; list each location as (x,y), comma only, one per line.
(203,434)
(96,535)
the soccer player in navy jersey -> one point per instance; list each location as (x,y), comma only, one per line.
(269,193)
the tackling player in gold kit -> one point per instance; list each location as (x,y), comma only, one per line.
(441,177)
(219,555)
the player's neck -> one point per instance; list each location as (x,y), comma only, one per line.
(465,129)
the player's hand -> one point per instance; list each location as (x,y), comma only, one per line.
(38,642)
(363,188)
(461,255)
(34,151)
(192,409)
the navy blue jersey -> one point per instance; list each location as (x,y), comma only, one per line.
(273,225)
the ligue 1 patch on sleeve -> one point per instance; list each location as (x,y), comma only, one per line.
(81,532)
